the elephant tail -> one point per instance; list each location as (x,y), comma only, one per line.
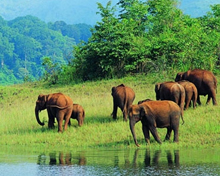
(125,100)
(215,83)
(59,107)
(182,118)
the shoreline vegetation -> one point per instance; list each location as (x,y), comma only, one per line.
(19,127)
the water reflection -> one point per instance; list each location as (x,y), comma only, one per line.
(61,159)
(112,162)
(157,154)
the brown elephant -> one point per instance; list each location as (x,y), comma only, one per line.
(123,97)
(58,105)
(78,113)
(204,80)
(191,93)
(171,91)
(142,101)
(155,114)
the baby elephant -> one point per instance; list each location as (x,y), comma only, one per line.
(155,114)
(78,113)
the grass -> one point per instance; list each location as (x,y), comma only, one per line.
(19,127)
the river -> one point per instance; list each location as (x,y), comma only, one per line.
(111,162)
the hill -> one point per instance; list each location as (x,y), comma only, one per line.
(74,11)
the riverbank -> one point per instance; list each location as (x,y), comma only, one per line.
(20,128)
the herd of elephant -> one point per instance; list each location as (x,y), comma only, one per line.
(176,95)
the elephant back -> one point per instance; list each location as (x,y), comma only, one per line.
(59,100)
(123,94)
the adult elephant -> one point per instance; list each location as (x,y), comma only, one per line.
(191,93)
(204,80)
(171,91)
(78,113)
(123,97)
(58,105)
(155,114)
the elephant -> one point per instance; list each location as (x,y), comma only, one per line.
(155,114)
(190,92)
(78,113)
(204,80)
(171,91)
(58,105)
(142,101)
(123,97)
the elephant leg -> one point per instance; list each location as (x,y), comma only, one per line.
(60,125)
(114,113)
(153,130)
(125,114)
(169,130)
(67,118)
(188,99)
(69,123)
(198,100)
(176,133)
(146,134)
(213,95)
(51,120)
(208,99)
(60,117)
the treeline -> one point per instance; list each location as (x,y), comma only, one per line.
(132,37)
(147,36)
(26,42)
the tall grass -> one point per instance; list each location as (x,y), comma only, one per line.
(19,127)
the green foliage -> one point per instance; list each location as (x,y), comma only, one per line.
(146,37)
(25,40)
(52,70)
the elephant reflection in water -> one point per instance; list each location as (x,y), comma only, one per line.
(150,160)
(156,158)
(63,159)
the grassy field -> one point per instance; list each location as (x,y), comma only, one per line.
(19,127)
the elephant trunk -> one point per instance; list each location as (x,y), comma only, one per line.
(80,122)
(37,116)
(132,124)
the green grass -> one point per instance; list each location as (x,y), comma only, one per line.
(19,127)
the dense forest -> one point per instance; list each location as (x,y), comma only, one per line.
(148,36)
(142,37)
(27,41)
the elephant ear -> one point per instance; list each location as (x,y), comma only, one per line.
(142,112)
(113,90)
(157,87)
(185,75)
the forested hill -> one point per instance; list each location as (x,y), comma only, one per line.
(75,11)
(25,41)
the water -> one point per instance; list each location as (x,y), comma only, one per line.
(112,162)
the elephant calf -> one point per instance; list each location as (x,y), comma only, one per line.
(155,114)
(78,113)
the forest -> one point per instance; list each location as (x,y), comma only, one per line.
(142,37)
(27,41)
(148,37)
